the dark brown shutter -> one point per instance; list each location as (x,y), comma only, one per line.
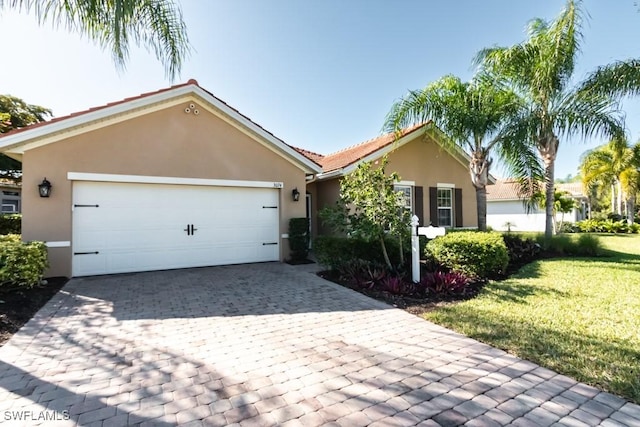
(458,207)
(433,206)
(418,203)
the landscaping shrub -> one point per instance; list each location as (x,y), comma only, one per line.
(10,224)
(362,273)
(606,226)
(443,283)
(333,252)
(21,264)
(299,238)
(568,227)
(571,245)
(397,285)
(521,250)
(475,254)
(589,245)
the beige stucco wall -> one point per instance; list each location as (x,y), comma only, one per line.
(163,143)
(427,164)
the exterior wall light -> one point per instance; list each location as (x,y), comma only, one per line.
(44,188)
(295,194)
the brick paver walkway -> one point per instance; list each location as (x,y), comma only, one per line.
(268,344)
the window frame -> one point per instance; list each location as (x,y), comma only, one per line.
(450,208)
(403,186)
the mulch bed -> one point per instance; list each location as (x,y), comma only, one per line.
(19,305)
(412,305)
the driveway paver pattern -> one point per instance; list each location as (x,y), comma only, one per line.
(264,345)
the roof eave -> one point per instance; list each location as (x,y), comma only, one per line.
(12,143)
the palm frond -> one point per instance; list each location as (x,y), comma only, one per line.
(615,80)
(157,25)
(586,114)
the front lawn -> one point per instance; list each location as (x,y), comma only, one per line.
(578,316)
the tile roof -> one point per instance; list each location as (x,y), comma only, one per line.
(314,157)
(350,155)
(507,189)
(573,188)
(503,189)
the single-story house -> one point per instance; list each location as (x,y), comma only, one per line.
(169,179)
(506,210)
(177,178)
(435,180)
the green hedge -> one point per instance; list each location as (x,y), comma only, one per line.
(333,252)
(10,224)
(299,238)
(22,264)
(604,226)
(572,244)
(475,254)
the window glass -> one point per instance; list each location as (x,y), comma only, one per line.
(445,205)
(406,198)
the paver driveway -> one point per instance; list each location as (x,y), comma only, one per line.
(268,344)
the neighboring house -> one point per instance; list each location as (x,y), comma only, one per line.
(10,197)
(505,208)
(435,180)
(169,179)
(177,178)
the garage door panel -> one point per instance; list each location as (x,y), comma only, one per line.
(140,227)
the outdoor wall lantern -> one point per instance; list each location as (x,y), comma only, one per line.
(295,194)
(44,188)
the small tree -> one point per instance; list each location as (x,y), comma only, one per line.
(562,204)
(369,208)
(14,114)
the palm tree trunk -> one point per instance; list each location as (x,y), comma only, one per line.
(613,198)
(631,207)
(548,148)
(479,169)
(481,206)
(619,201)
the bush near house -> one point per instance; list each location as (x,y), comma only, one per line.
(299,238)
(521,250)
(10,224)
(335,251)
(22,264)
(477,255)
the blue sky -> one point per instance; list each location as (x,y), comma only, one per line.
(319,74)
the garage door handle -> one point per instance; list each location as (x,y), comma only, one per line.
(193,230)
(86,206)
(86,253)
(188,229)
(269,207)
(270,243)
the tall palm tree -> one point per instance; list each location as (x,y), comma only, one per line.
(615,164)
(472,114)
(113,24)
(541,69)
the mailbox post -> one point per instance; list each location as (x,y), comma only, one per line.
(431,233)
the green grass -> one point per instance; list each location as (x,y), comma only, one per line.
(579,316)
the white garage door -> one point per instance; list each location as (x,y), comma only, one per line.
(125,227)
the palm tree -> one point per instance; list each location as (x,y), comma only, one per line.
(156,24)
(615,164)
(472,114)
(540,70)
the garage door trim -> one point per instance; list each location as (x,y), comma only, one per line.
(145,179)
